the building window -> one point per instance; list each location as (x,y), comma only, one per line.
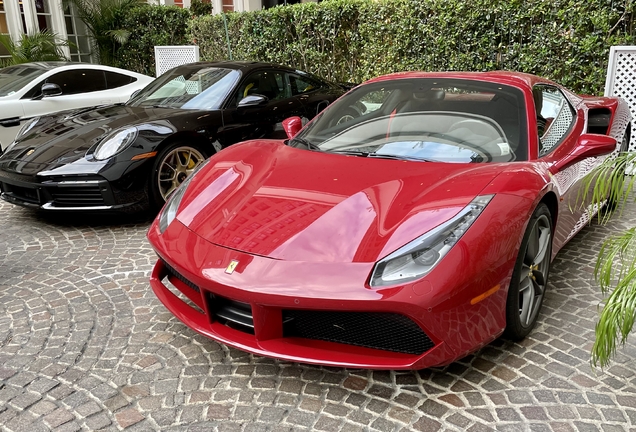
(4,29)
(23,17)
(78,38)
(43,15)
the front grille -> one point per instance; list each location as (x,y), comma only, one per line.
(21,193)
(176,274)
(89,195)
(383,331)
(234,314)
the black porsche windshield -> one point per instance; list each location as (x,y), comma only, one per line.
(446,120)
(14,78)
(188,87)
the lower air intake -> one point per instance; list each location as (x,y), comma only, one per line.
(382,331)
(234,314)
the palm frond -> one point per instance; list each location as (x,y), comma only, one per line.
(41,46)
(616,320)
(103,20)
(615,268)
(7,42)
(608,183)
(121,36)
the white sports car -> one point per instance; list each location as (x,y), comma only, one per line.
(34,89)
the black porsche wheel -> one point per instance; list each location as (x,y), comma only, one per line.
(173,165)
(530,275)
(348,115)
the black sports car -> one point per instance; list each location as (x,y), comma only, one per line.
(131,156)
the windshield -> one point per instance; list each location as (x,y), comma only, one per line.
(445,120)
(14,78)
(194,87)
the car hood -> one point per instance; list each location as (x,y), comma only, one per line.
(268,199)
(67,136)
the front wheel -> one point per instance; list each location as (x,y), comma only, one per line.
(530,275)
(173,165)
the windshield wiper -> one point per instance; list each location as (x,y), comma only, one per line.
(400,157)
(309,145)
(352,152)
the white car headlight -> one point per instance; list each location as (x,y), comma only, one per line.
(417,258)
(115,143)
(169,211)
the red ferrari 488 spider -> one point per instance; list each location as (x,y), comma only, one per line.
(409,224)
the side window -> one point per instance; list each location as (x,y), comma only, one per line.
(79,81)
(72,82)
(555,117)
(114,80)
(270,84)
(300,85)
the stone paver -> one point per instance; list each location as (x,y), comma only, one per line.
(85,345)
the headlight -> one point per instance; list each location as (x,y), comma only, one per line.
(26,127)
(115,143)
(169,211)
(417,258)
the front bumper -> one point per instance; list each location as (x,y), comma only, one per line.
(77,193)
(251,308)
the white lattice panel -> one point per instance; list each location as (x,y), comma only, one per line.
(558,128)
(168,57)
(621,80)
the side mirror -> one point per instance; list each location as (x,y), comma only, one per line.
(292,126)
(50,89)
(252,100)
(588,145)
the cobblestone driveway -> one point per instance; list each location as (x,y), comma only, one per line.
(84,344)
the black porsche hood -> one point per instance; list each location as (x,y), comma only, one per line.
(67,136)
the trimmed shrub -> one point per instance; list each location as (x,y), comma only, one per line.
(353,40)
(150,26)
(200,7)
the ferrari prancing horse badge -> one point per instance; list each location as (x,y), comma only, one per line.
(230,268)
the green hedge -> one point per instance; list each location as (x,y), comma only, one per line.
(150,26)
(353,40)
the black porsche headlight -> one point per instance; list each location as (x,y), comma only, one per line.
(26,127)
(169,211)
(115,143)
(417,258)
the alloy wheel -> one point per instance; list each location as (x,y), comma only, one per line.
(175,167)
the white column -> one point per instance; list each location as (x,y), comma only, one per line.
(252,5)
(14,22)
(59,24)
(30,16)
(217,6)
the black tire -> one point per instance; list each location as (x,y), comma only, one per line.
(524,301)
(160,190)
